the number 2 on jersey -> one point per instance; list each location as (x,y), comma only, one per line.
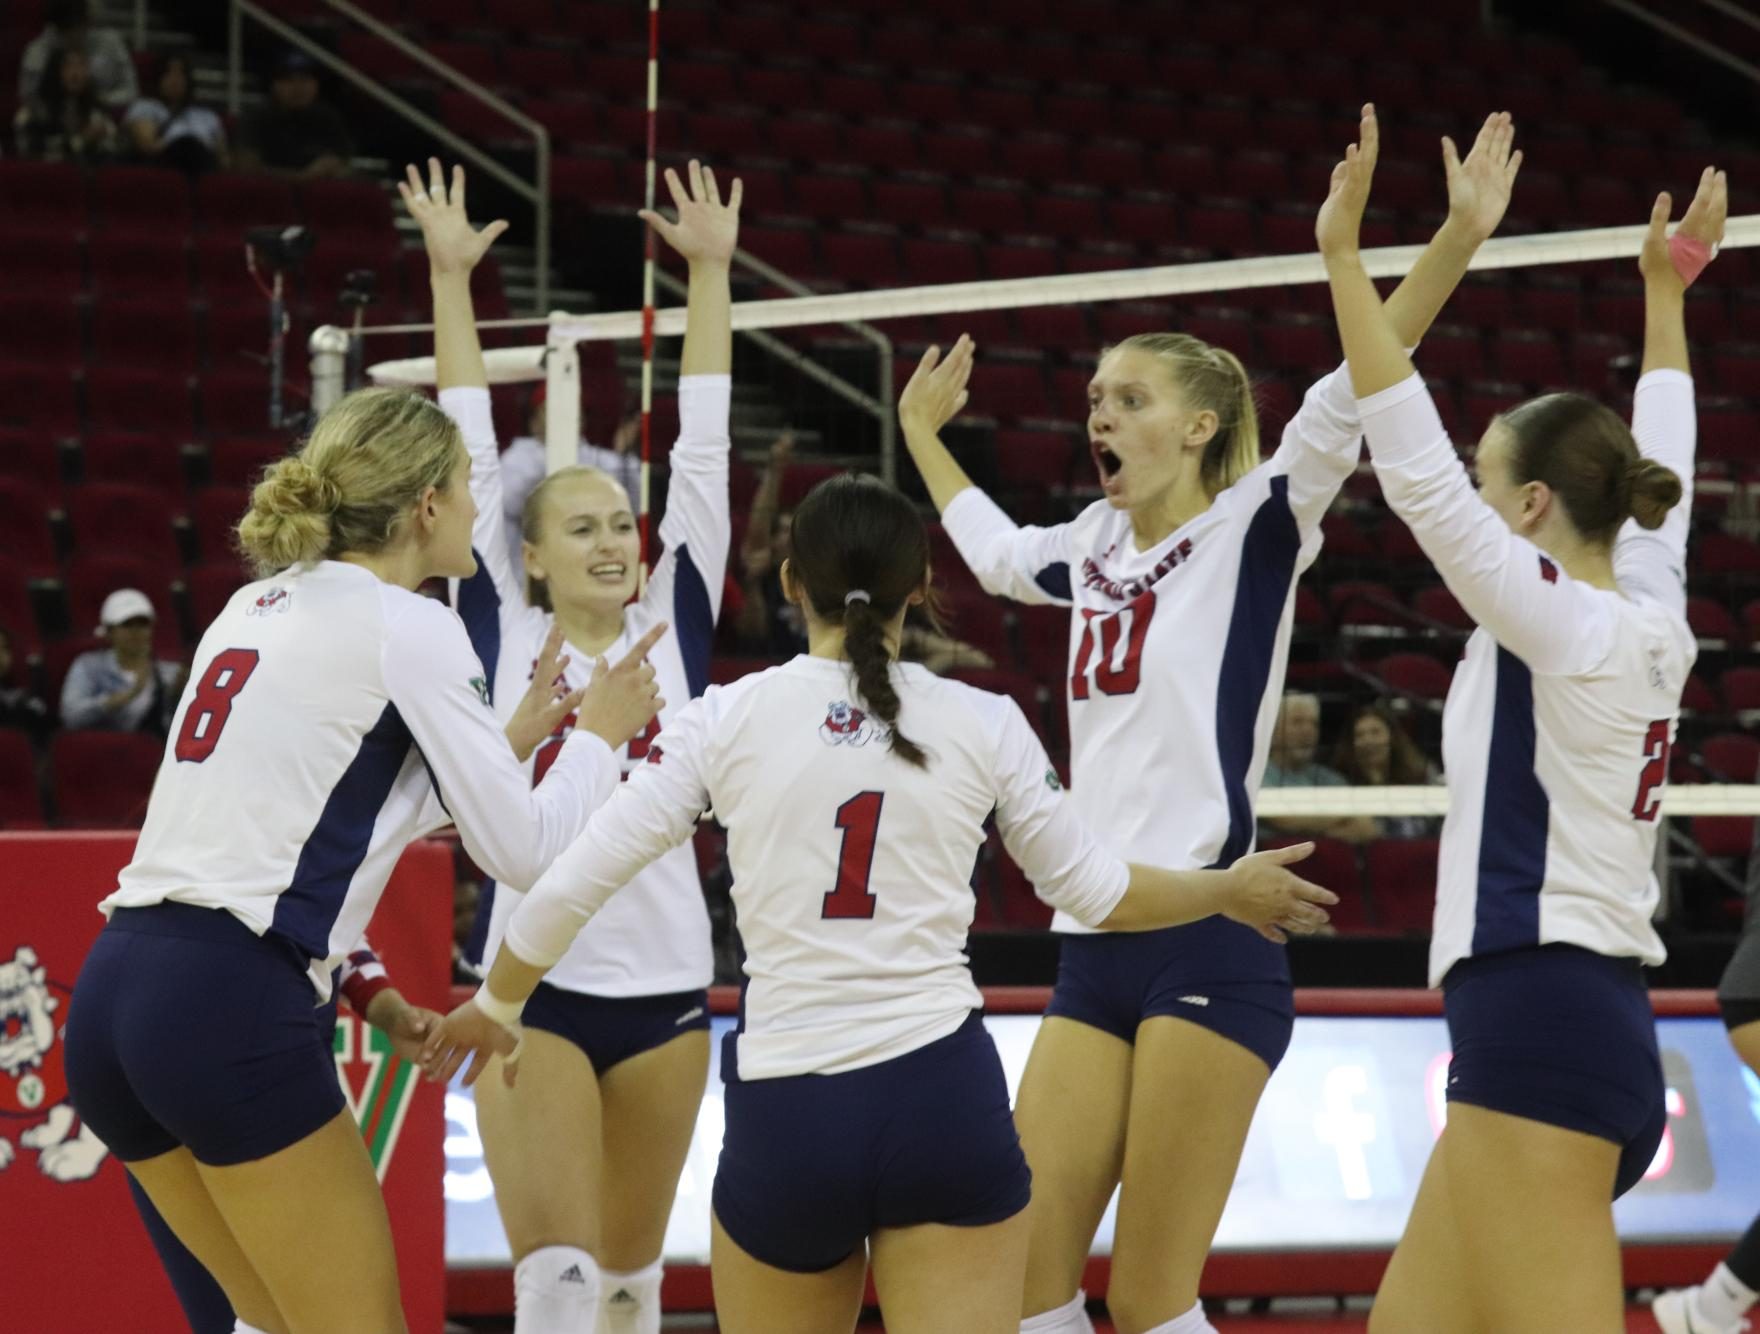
(1656,748)
(211,704)
(1130,623)
(859,818)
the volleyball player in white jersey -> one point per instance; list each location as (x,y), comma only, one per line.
(586,1161)
(333,715)
(1181,581)
(865,1103)
(1571,557)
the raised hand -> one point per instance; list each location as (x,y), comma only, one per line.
(1703,224)
(1273,900)
(620,701)
(1479,187)
(547,700)
(454,246)
(707,229)
(1341,216)
(937,389)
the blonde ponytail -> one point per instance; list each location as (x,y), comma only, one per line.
(368,461)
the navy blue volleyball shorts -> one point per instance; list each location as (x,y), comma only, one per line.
(812,1165)
(1564,1036)
(188,1029)
(1214,973)
(610,1029)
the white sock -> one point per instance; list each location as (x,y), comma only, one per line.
(1192,1322)
(239,1327)
(1723,1299)
(630,1303)
(1070,1318)
(556,1291)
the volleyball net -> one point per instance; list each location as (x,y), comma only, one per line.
(1365,625)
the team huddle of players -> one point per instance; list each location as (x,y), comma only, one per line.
(336,714)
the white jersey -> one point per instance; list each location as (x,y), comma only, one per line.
(1558,726)
(1177,654)
(851,868)
(331,718)
(655,939)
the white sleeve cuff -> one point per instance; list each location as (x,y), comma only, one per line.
(1401,422)
(704,404)
(468,405)
(1666,376)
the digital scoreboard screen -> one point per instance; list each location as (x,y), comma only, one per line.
(1334,1157)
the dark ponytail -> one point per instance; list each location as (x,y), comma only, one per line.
(1585,453)
(858,549)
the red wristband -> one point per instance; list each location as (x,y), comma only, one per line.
(1690,256)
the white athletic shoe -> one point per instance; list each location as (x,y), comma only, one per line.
(1677,1313)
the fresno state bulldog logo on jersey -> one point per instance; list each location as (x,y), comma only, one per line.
(846,725)
(33,1082)
(277,599)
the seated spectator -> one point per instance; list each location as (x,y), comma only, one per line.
(18,707)
(122,688)
(769,625)
(523,464)
(64,122)
(1294,743)
(170,129)
(296,133)
(1376,751)
(70,28)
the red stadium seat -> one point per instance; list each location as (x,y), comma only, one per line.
(1698,697)
(122,398)
(24,518)
(1310,610)
(1731,757)
(1712,623)
(787,248)
(1402,876)
(1023,259)
(103,779)
(41,329)
(141,198)
(43,194)
(979,620)
(1299,344)
(1451,352)
(115,518)
(860,258)
(35,397)
(90,578)
(1040,459)
(538,68)
(1009,391)
(1438,604)
(1530,357)
(137,459)
(1364,604)
(145,335)
(1342,537)
(41,262)
(1726,554)
(214,514)
(238,461)
(235,402)
(1062,327)
(21,798)
(911,203)
(1334,865)
(1722,836)
(941,261)
(210,586)
(230,203)
(962,153)
(1414,674)
(141,266)
(1741,689)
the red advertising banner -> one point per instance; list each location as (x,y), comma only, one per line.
(64,1199)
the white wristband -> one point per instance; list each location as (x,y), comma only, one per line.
(505,1013)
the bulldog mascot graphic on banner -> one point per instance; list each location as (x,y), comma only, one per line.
(33,1082)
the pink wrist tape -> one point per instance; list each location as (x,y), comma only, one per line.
(1690,256)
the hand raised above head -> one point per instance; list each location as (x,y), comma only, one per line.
(453,245)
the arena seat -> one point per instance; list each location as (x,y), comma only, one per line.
(103,779)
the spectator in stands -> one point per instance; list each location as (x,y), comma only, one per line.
(70,28)
(297,133)
(769,624)
(170,129)
(1375,750)
(123,688)
(64,121)
(523,466)
(18,707)
(1294,745)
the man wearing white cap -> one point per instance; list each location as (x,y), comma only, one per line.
(122,688)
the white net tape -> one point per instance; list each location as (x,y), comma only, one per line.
(1343,802)
(1511,252)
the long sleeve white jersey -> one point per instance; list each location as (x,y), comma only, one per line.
(654,939)
(1558,726)
(1176,654)
(331,718)
(851,867)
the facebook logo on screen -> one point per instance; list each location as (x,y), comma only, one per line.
(1332,1129)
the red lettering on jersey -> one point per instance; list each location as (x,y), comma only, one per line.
(1548,571)
(1656,747)
(211,705)
(1112,674)
(550,748)
(859,818)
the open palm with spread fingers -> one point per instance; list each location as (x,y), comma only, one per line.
(1702,224)
(937,389)
(1479,186)
(1341,216)
(454,246)
(707,229)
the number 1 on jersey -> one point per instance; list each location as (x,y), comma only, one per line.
(859,818)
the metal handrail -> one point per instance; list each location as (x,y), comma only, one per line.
(537,194)
(880,405)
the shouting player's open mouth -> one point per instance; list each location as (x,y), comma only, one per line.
(609,572)
(1109,465)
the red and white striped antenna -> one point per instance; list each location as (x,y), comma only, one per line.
(649,248)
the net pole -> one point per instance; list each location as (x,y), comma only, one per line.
(648,257)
